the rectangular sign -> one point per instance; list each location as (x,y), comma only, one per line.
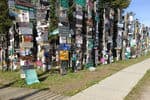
(26,45)
(31,76)
(64,47)
(25,31)
(64,55)
(64,31)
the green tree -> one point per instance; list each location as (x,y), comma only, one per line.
(53,15)
(5,24)
(5,21)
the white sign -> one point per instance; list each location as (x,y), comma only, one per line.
(26,45)
(25,30)
(24,16)
(63,40)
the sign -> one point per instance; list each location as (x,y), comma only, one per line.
(79,39)
(64,31)
(31,76)
(90,44)
(64,3)
(62,39)
(23,16)
(80,2)
(26,45)
(25,31)
(11,3)
(64,55)
(31,15)
(64,47)
(25,8)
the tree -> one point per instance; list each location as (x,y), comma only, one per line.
(53,15)
(5,24)
(5,21)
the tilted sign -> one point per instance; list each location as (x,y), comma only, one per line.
(31,76)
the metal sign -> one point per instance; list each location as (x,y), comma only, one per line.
(25,8)
(25,30)
(64,55)
(64,31)
(64,47)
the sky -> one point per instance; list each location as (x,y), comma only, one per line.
(142,10)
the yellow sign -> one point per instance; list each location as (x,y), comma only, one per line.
(64,55)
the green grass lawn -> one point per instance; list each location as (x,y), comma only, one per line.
(136,93)
(71,83)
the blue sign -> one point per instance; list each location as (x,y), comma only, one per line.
(31,76)
(64,47)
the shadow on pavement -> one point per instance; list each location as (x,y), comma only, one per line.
(7,85)
(29,95)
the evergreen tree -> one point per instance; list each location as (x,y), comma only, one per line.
(5,21)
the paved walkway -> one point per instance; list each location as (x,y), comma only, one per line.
(9,93)
(117,86)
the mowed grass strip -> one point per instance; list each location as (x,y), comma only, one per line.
(71,83)
(139,89)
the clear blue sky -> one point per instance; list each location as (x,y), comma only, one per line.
(142,10)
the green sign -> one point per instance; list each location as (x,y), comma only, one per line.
(90,44)
(64,3)
(80,2)
(89,64)
(31,76)
(24,8)
(97,18)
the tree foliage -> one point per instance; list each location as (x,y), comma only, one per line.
(115,3)
(5,21)
(53,15)
(121,3)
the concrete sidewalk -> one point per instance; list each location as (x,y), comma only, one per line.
(117,86)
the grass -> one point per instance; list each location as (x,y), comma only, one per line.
(71,83)
(136,93)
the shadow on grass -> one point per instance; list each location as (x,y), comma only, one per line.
(43,78)
(43,73)
(7,85)
(29,95)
